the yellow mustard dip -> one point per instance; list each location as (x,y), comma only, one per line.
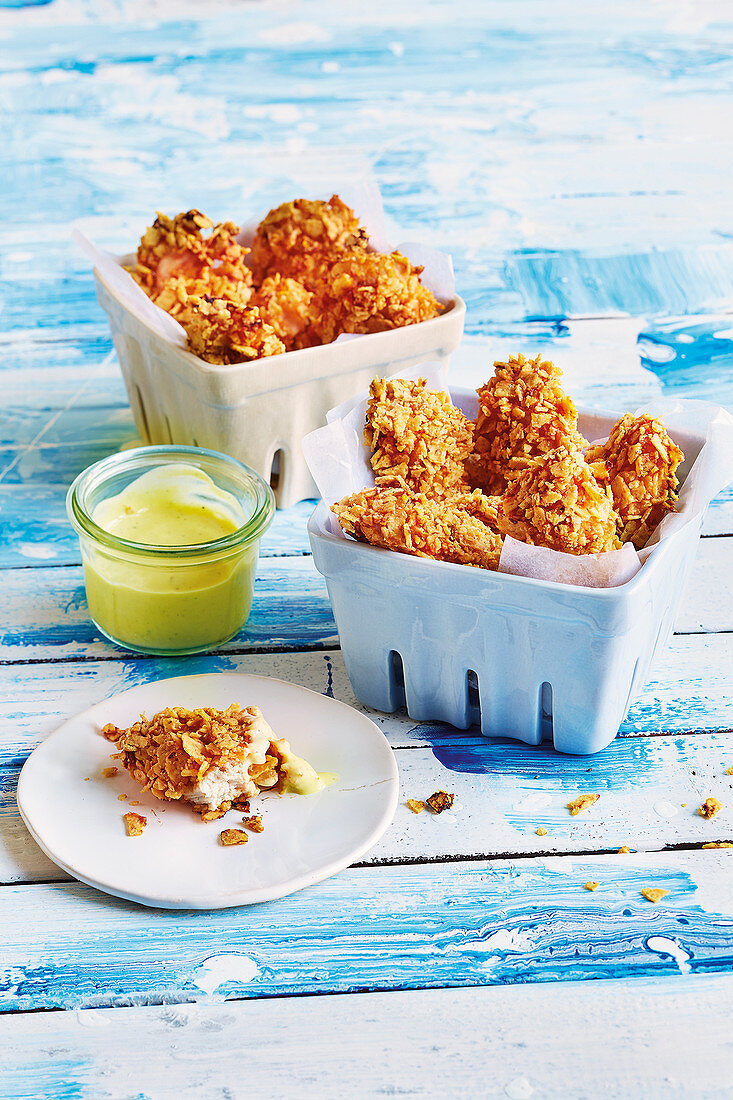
(170,602)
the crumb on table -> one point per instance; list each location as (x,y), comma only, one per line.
(710,807)
(718,844)
(439,801)
(134,823)
(416,805)
(228,837)
(541,830)
(729,771)
(653,894)
(624,851)
(582,802)
(253,823)
(109,772)
(590,885)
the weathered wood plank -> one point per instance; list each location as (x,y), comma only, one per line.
(466,924)
(650,1038)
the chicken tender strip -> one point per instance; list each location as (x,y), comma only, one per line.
(301,239)
(372,292)
(557,502)
(416,434)
(639,461)
(222,332)
(395,517)
(176,246)
(523,413)
(285,305)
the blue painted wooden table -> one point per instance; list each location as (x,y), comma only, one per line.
(576,162)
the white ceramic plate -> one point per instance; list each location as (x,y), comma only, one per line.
(74,814)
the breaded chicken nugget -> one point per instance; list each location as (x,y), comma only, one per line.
(221,332)
(285,304)
(416,434)
(639,460)
(177,246)
(395,517)
(371,292)
(301,239)
(557,502)
(523,413)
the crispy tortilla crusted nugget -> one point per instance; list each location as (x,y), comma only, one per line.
(416,434)
(394,516)
(285,305)
(639,459)
(371,292)
(177,246)
(523,413)
(301,239)
(221,332)
(558,503)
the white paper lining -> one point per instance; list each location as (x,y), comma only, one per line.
(338,459)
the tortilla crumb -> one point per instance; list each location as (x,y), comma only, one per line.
(121,797)
(439,801)
(541,830)
(591,885)
(134,824)
(109,772)
(718,844)
(87,778)
(416,805)
(254,824)
(134,802)
(653,895)
(624,851)
(581,803)
(729,771)
(232,836)
(710,807)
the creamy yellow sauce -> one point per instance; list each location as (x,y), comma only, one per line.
(297,775)
(169,603)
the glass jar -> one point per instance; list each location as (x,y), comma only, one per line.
(169,599)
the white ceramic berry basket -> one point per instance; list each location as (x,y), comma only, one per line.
(258,412)
(522,658)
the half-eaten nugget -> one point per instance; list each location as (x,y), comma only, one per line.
(214,759)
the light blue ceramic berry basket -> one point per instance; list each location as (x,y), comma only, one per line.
(522,658)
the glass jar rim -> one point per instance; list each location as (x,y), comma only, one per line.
(100,471)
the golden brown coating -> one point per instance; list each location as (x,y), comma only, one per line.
(176,246)
(557,502)
(134,823)
(301,239)
(416,434)
(179,293)
(395,517)
(523,413)
(286,306)
(170,753)
(372,292)
(639,461)
(221,332)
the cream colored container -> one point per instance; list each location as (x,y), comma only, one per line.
(258,412)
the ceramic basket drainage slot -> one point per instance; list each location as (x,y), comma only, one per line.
(259,412)
(521,658)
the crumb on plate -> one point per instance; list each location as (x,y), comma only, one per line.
(109,772)
(229,837)
(121,797)
(653,894)
(710,807)
(416,805)
(581,803)
(134,823)
(253,823)
(439,801)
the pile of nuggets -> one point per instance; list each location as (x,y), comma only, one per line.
(309,276)
(450,488)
